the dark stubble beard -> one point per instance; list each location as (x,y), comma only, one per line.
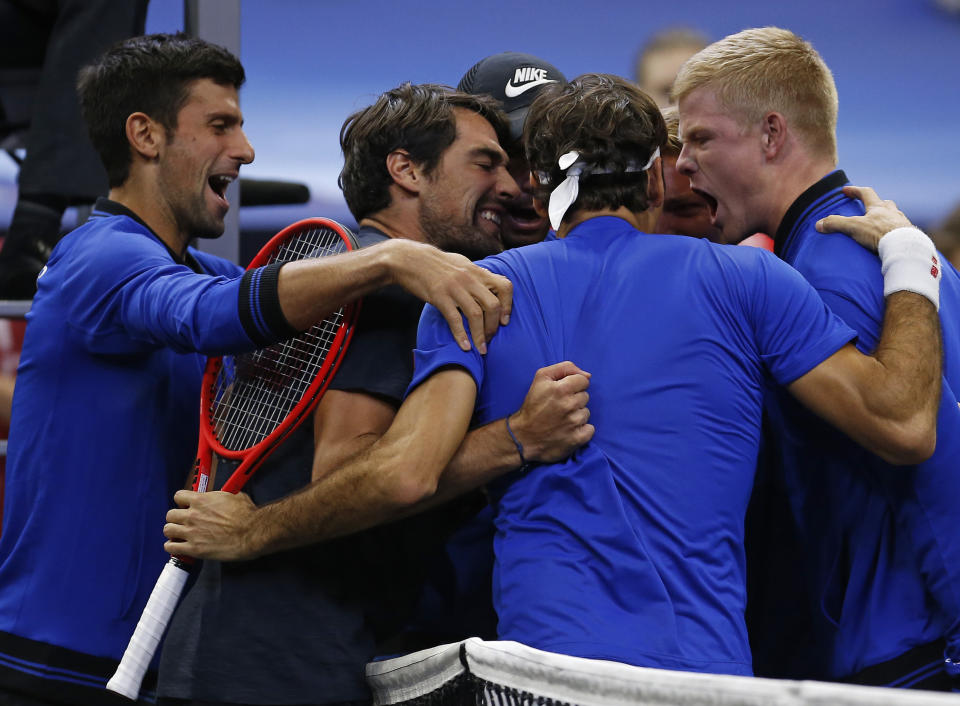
(190,213)
(465,239)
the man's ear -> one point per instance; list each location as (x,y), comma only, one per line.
(773,134)
(540,208)
(655,188)
(145,135)
(404,171)
(538,205)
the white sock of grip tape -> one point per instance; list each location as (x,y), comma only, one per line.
(910,263)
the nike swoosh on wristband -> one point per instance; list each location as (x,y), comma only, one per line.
(512,91)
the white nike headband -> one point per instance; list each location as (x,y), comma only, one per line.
(566,192)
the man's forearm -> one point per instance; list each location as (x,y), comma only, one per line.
(360,493)
(383,482)
(909,357)
(378,485)
(548,427)
(551,423)
(886,402)
(486,453)
(909,354)
(310,289)
(350,499)
(370,489)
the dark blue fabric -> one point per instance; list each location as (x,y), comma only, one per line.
(881,542)
(632,549)
(380,359)
(288,628)
(294,627)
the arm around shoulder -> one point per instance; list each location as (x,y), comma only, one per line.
(886,402)
(310,289)
(380,484)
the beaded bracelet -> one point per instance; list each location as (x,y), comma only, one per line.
(516,442)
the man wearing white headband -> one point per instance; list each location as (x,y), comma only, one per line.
(631,550)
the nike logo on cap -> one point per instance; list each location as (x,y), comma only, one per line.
(525,78)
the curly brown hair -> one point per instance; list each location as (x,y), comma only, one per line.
(611,123)
(415,118)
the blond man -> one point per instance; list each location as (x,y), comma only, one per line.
(684,212)
(758,113)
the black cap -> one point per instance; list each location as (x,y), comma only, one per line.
(514,80)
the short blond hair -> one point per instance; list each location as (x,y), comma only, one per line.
(768,69)
(672,118)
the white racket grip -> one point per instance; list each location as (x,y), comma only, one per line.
(146,637)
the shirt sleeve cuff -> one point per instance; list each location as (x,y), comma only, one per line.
(259,306)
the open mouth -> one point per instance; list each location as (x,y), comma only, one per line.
(711,203)
(522,218)
(218,184)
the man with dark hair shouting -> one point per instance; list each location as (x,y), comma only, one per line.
(105,415)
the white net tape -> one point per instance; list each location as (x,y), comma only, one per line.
(508,673)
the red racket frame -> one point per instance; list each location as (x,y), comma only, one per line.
(159,609)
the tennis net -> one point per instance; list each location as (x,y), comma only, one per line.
(476,672)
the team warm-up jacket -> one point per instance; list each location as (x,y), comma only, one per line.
(104,431)
(878,544)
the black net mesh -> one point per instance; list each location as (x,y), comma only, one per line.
(469,690)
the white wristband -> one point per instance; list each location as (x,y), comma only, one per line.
(909,262)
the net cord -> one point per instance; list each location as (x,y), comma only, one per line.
(508,673)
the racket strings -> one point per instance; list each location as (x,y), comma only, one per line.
(255,392)
(269,384)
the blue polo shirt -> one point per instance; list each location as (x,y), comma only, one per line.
(631,550)
(883,549)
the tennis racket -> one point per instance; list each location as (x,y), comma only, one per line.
(249,404)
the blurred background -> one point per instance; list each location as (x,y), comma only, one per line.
(311,63)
